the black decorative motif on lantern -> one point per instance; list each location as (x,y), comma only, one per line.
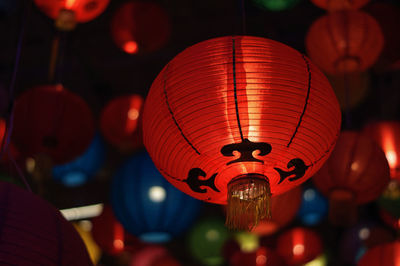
(195,183)
(298,172)
(246,149)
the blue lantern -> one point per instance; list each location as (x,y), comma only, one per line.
(83,168)
(147,205)
(313,208)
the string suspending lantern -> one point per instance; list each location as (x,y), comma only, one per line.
(336,5)
(239,119)
(345,41)
(67,13)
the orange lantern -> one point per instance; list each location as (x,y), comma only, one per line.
(345,41)
(119,122)
(59,122)
(280,217)
(68,12)
(335,5)
(140,26)
(236,119)
(356,173)
(386,254)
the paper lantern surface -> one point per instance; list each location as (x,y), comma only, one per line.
(386,254)
(336,5)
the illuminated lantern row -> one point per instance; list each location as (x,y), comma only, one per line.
(276,5)
(356,173)
(83,168)
(120,122)
(283,210)
(313,208)
(299,245)
(238,119)
(59,122)
(67,13)
(386,254)
(147,205)
(344,42)
(336,5)
(140,27)
(34,233)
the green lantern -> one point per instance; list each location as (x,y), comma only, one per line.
(206,240)
(276,5)
(390,199)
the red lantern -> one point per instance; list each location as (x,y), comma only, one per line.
(59,122)
(335,5)
(280,216)
(261,257)
(236,119)
(140,27)
(386,254)
(119,122)
(153,255)
(356,173)
(345,41)
(68,12)
(299,246)
(387,135)
(34,233)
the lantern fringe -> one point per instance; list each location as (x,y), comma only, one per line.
(248,202)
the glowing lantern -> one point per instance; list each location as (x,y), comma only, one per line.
(335,5)
(153,255)
(119,122)
(140,27)
(147,205)
(313,208)
(276,5)
(83,168)
(238,119)
(34,233)
(261,257)
(84,230)
(68,12)
(386,254)
(280,216)
(356,173)
(299,245)
(206,240)
(344,42)
(59,122)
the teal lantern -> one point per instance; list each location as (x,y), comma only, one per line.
(276,5)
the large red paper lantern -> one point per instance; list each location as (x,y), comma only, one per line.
(68,12)
(53,121)
(335,5)
(140,27)
(35,233)
(345,41)
(386,254)
(356,173)
(280,216)
(299,245)
(236,119)
(119,122)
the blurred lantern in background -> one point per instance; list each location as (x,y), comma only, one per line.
(206,240)
(153,255)
(59,122)
(389,219)
(387,254)
(390,199)
(344,42)
(299,245)
(350,89)
(34,233)
(147,205)
(248,242)
(283,210)
(140,27)
(238,119)
(313,208)
(67,13)
(337,5)
(356,173)
(261,257)
(84,229)
(120,122)
(83,168)
(276,5)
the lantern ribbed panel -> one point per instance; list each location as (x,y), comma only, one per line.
(85,10)
(358,165)
(387,254)
(335,5)
(345,41)
(226,90)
